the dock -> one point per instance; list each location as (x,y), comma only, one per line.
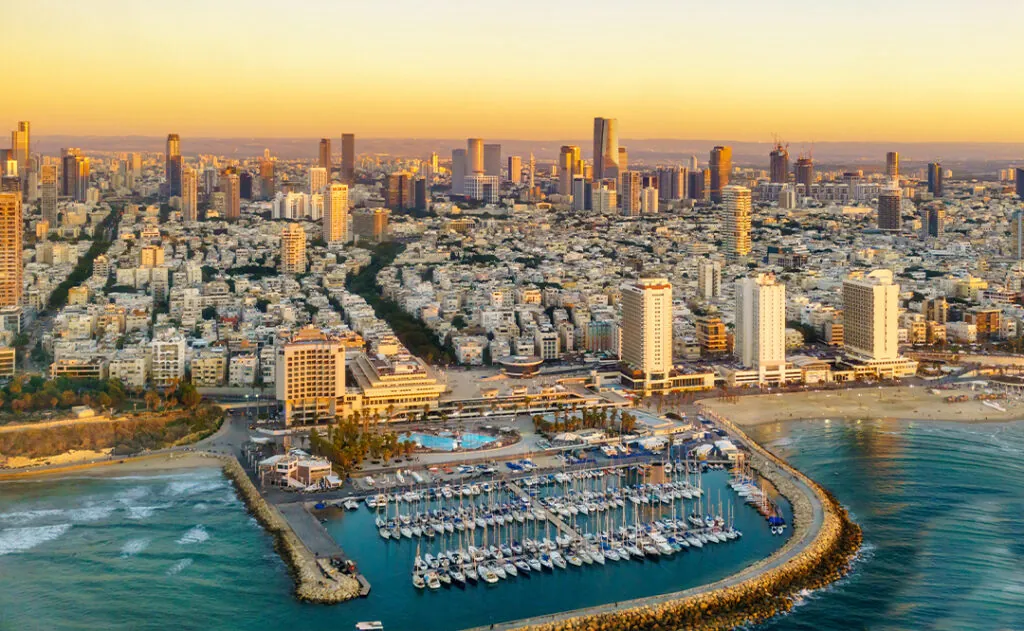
(553,518)
(312,533)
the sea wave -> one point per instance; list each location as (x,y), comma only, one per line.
(91,513)
(18,518)
(194,535)
(179,566)
(191,487)
(135,546)
(143,512)
(21,539)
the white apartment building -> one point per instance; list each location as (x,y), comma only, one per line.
(309,378)
(647,327)
(709,279)
(736,214)
(761,326)
(871,325)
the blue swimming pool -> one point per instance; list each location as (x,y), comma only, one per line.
(448,442)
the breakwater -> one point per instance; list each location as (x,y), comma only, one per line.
(316,580)
(823,544)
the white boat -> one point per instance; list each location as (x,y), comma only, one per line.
(385,533)
(376,625)
(510,569)
(499,570)
(406,532)
(534,564)
(418,582)
(557,560)
(575,560)
(433,582)
(546,562)
(488,575)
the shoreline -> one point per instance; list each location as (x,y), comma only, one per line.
(903,403)
(115,466)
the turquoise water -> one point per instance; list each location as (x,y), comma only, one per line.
(941,506)
(179,550)
(448,443)
(942,510)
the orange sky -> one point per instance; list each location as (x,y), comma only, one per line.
(897,70)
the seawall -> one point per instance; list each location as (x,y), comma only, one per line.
(823,544)
(315,579)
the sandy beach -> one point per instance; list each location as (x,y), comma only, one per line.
(121,466)
(903,403)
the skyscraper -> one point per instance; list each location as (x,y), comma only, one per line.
(318,177)
(459,172)
(606,148)
(736,221)
(870,311)
(647,327)
(570,164)
(21,147)
(761,324)
(890,209)
(720,165)
(189,194)
(1020,182)
(81,178)
(267,177)
(933,220)
(474,156)
(293,249)
(699,184)
(230,185)
(492,160)
(348,159)
(805,174)
(325,155)
(892,164)
(304,400)
(48,193)
(779,164)
(672,183)
(69,170)
(336,213)
(172,165)
(629,193)
(515,169)
(935,178)
(623,159)
(11,228)
(1017,234)
(709,279)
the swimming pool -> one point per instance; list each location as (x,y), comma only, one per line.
(448,442)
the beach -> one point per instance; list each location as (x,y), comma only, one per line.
(61,465)
(903,402)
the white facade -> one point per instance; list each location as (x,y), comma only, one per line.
(761,323)
(709,279)
(317,180)
(482,187)
(736,221)
(647,326)
(870,315)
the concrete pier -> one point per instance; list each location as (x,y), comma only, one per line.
(553,518)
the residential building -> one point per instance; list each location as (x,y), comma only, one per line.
(309,378)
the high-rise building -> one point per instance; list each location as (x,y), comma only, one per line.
(779,164)
(935,179)
(474,156)
(699,184)
(325,155)
(267,183)
(370,224)
(492,160)
(397,194)
(761,324)
(459,172)
(709,279)
(892,165)
(21,147)
(74,174)
(805,174)
(623,159)
(336,213)
(570,164)
(890,209)
(1019,179)
(229,184)
(420,196)
(318,177)
(629,193)
(606,148)
(172,165)
(48,193)
(933,220)
(11,265)
(1017,234)
(672,183)
(649,200)
(482,187)
(309,377)
(647,327)
(348,159)
(189,194)
(870,315)
(293,249)
(582,193)
(603,198)
(82,175)
(515,169)
(736,219)
(720,165)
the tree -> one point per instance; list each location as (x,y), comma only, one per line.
(152,399)
(189,396)
(210,313)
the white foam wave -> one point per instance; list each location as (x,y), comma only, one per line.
(194,535)
(91,513)
(135,546)
(22,539)
(134,493)
(142,512)
(191,487)
(179,566)
(200,507)
(28,516)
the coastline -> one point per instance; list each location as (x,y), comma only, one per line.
(830,542)
(112,466)
(899,402)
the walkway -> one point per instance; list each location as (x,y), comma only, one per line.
(315,537)
(553,518)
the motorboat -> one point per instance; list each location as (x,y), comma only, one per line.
(418,582)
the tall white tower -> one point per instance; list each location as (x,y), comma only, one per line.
(647,326)
(761,323)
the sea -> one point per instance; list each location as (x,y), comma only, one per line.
(941,506)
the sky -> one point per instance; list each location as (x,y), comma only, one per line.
(746,70)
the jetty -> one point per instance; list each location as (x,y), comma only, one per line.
(553,518)
(315,537)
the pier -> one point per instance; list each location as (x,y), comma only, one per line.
(312,533)
(553,518)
